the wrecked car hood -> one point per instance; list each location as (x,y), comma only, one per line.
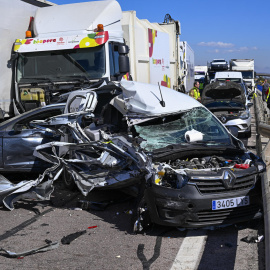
(223,91)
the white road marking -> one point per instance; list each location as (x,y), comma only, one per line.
(190,252)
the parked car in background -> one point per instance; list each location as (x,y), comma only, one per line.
(218,64)
(232,76)
(229,102)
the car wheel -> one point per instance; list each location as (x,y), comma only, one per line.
(143,220)
(68,180)
(248,133)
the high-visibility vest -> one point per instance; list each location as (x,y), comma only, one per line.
(196,92)
(268,94)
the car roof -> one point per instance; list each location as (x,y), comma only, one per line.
(145,99)
(25,114)
(228,74)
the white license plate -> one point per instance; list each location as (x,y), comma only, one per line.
(230,203)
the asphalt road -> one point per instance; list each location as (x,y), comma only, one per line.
(112,244)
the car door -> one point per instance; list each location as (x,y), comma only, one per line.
(20,141)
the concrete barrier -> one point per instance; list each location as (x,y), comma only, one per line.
(263,127)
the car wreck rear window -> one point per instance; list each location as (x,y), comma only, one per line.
(163,131)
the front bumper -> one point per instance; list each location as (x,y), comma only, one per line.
(242,125)
(188,207)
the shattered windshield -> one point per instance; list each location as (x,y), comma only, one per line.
(173,129)
(87,63)
(247,74)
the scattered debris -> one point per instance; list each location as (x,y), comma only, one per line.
(48,241)
(253,239)
(98,206)
(66,240)
(229,245)
(92,227)
(260,238)
(75,208)
(49,246)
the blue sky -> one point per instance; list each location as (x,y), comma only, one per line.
(214,29)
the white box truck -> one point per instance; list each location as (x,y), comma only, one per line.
(68,47)
(186,65)
(246,66)
(156,53)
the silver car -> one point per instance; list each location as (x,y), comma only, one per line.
(228,101)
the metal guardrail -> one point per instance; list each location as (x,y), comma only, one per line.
(263,129)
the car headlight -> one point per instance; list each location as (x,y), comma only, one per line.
(182,180)
(171,179)
(244,115)
(261,167)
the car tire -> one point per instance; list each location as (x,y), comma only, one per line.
(68,181)
(248,133)
(142,217)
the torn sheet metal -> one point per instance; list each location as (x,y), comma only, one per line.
(45,248)
(34,189)
(114,164)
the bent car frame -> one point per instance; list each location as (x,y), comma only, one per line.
(194,173)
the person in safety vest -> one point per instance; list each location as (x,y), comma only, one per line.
(268,99)
(195,92)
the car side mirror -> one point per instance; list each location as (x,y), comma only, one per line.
(233,131)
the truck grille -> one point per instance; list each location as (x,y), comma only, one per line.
(208,186)
(226,215)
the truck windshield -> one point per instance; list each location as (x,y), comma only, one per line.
(56,65)
(247,74)
(164,131)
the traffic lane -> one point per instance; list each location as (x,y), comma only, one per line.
(226,248)
(110,243)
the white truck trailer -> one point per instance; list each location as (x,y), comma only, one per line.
(156,53)
(246,66)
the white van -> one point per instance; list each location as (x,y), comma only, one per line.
(233,76)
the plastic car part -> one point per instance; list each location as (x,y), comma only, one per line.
(45,248)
